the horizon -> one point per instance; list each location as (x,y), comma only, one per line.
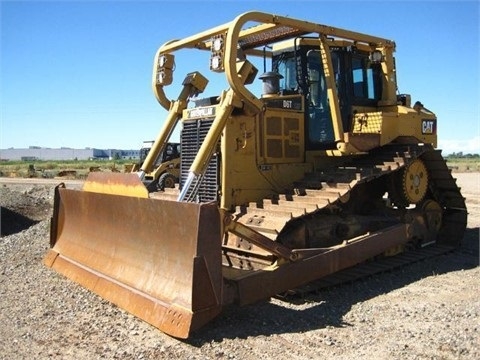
(33,147)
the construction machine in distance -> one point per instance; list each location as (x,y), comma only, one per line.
(324,169)
(166,168)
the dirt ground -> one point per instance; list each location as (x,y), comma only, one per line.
(426,310)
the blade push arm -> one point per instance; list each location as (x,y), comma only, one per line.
(193,84)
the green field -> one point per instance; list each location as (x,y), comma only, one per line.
(464,164)
(50,169)
(79,169)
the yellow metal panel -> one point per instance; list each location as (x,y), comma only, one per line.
(367,123)
(283,137)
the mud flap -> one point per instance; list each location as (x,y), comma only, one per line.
(159,260)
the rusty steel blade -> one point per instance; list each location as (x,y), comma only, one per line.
(159,260)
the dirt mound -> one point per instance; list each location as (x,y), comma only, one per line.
(21,209)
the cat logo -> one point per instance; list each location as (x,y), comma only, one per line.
(429,127)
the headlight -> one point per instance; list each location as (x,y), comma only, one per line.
(216,57)
(165,65)
(164,77)
(166,61)
(216,63)
(217,44)
(376,56)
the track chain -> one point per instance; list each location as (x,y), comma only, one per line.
(323,190)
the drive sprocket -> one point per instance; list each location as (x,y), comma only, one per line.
(410,184)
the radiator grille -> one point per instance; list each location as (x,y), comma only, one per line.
(193,134)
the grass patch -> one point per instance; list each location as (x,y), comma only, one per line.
(463,164)
(50,169)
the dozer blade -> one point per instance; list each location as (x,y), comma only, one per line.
(115,184)
(159,260)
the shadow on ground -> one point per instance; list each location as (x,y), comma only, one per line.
(12,222)
(328,307)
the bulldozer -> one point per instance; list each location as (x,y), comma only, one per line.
(312,166)
(166,171)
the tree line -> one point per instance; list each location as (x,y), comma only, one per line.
(461,155)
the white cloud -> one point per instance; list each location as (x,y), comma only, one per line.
(466,146)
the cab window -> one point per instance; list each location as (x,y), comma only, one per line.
(285,65)
(366,80)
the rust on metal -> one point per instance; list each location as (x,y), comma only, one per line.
(260,240)
(262,284)
(54,222)
(142,255)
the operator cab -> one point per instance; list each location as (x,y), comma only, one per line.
(358,84)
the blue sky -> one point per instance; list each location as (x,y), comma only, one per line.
(78,74)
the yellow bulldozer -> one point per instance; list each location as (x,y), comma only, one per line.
(323,167)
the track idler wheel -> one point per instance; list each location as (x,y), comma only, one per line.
(425,222)
(432,213)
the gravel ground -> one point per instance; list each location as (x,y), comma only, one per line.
(427,310)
